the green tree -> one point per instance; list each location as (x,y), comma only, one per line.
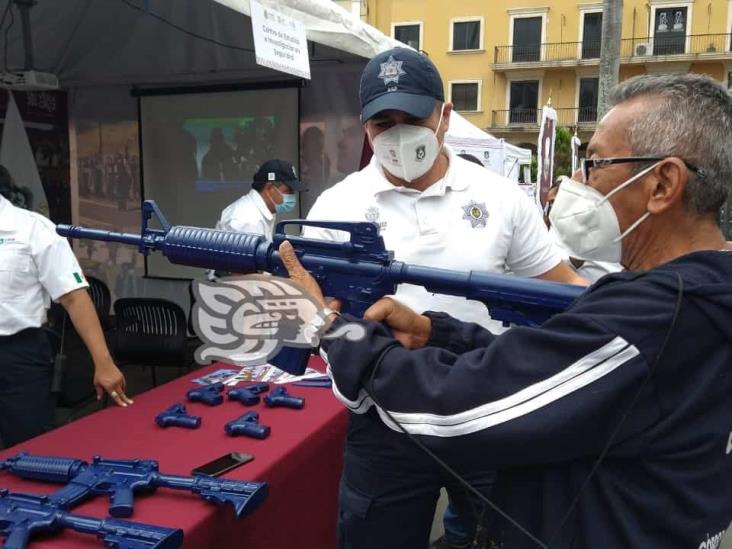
(562,155)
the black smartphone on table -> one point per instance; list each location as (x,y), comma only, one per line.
(221,465)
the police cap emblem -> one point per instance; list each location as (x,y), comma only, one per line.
(391,71)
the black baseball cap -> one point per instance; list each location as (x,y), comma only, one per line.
(400,79)
(280,170)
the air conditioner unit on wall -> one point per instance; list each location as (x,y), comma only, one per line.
(642,49)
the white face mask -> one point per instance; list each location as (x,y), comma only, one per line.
(407,152)
(586,222)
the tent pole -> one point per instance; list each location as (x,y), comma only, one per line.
(24,7)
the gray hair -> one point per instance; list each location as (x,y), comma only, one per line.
(693,121)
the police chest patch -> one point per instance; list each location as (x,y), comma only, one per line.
(372,214)
(476,213)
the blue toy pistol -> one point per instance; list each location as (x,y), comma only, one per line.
(280,398)
(176,416)
(247,425)
(248,395)
(209,394)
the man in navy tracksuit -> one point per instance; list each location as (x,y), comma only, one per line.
(611,424)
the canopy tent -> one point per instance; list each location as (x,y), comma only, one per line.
(102,50)
(501,157)
(516,158)
(142,42)
(328,24)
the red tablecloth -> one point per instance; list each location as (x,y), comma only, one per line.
(301,460)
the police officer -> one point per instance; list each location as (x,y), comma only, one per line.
(274,191)
(434,209)
(37,265)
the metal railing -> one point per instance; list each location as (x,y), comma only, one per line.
(570,116)
(660,45)
(534,53)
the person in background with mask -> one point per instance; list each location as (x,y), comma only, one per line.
(587,268)
(611,424)
(439,210)
(273,191)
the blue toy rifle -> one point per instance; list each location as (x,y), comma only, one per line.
(359,271)
(119,479)
(22,515)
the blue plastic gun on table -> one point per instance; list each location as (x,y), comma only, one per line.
(248,395)
(176,416)
(359,271)
(120,478)
(211,394)
(247,425)
(23,515)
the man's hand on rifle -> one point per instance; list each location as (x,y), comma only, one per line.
(409,328)
(299,274)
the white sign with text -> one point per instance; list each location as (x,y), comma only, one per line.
(279,41)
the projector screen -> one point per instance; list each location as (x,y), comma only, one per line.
(200,151)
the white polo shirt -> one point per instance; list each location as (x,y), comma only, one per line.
(472,219)
(36,265)
(249,214)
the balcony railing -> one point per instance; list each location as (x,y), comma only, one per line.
(516,118)
(630,48)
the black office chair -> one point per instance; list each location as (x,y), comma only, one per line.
(100,295)
(150,332)
(192,297)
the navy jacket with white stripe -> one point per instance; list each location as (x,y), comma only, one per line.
(540,404)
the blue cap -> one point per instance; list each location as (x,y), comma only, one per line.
(400,79)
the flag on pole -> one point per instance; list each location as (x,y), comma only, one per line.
(17,157)
(545,152)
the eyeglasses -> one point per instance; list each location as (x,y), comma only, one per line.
(586,164)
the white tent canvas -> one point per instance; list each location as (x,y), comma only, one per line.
(501,157)
(208,41)
(329,24)
(17,157)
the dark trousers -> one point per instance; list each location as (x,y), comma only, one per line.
(389,488)
(26,407)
